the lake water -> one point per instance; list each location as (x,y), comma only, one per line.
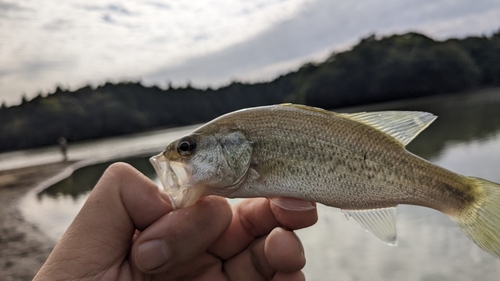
(465,139)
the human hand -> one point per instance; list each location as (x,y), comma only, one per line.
(127,230)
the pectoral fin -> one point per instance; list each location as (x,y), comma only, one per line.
(380,222)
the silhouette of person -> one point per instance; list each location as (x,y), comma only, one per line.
(63,144)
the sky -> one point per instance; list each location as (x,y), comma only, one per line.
(72,43)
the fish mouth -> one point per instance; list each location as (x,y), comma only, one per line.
(175,181)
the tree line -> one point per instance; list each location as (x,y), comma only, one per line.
(375,70)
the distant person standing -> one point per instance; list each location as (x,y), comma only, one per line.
(63,144)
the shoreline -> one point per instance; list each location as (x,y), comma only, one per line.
(23,246)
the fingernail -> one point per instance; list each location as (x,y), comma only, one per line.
(152,254)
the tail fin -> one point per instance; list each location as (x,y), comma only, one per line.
(481,221)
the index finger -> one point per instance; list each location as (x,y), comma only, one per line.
(256,217)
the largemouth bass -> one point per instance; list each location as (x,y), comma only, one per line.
(355,162)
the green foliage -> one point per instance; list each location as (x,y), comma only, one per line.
(377,69)
(395,67)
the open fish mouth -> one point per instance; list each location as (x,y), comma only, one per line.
(175,180)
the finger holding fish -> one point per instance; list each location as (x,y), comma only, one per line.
(260,237)
(268,257)
(255,218)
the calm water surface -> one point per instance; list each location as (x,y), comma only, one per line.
(465,139)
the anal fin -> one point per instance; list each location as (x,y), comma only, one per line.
(381,222)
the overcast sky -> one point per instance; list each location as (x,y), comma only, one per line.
(71,43)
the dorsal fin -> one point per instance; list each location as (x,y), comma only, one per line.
(381,222)
(404,126)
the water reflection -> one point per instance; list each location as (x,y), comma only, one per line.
(83,180)
(54,208)
(465,139)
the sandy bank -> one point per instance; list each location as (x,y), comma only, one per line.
(23,247)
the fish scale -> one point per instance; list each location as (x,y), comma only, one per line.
(309,143)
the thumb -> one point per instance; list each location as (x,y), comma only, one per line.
(99,237)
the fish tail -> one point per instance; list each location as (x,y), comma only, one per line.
(481,221)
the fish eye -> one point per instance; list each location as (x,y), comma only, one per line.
(186,146)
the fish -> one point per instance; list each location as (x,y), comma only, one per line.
(296,154)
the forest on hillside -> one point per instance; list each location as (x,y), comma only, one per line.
(375,70)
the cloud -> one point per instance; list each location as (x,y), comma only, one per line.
(159,5)
(58,25)
(321,26)
(15,11)
(110,8)
(107,18)
(109,11)
(6,6)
